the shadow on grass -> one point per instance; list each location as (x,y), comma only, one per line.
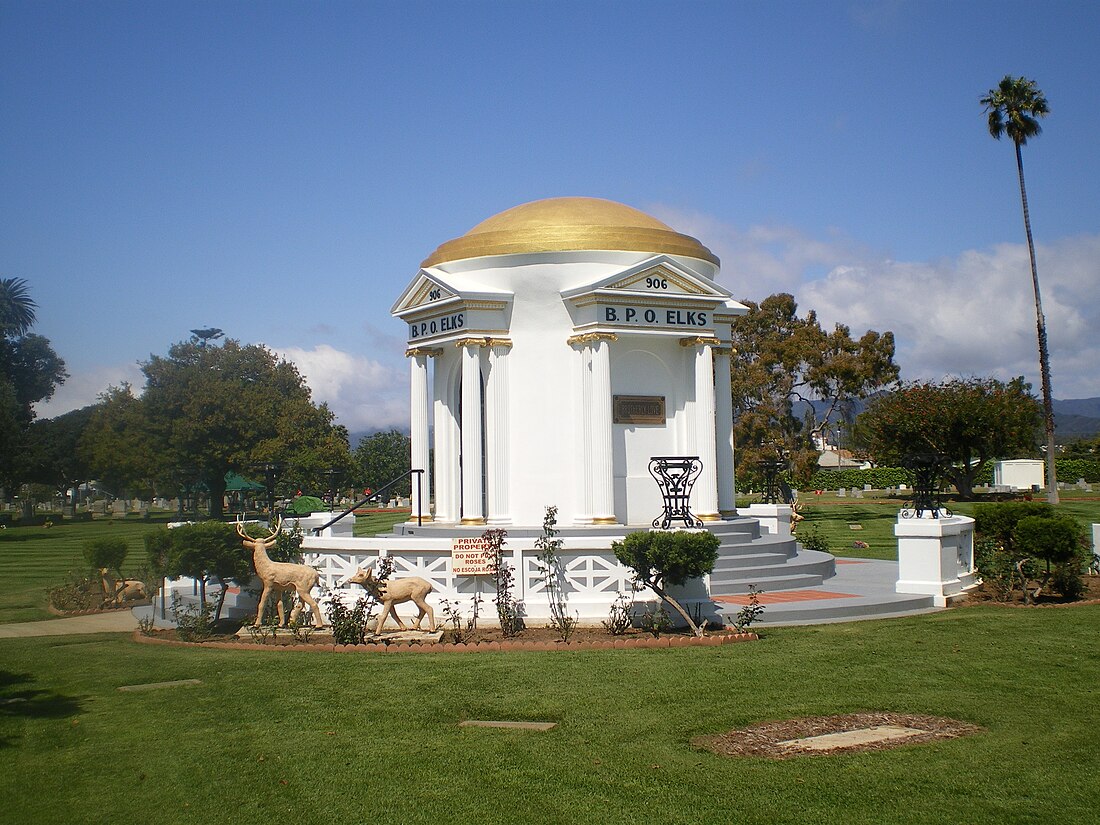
(19,698)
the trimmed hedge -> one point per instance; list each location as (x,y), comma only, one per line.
(1071,469)
(878,477)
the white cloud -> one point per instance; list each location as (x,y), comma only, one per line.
(969,315)
(364,393)
(975,314)
(84,388)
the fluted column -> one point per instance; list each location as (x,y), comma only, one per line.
(472,507)
(584,427)
(418,426)
(706,486)
(496,428)
(723,417)
(602,467)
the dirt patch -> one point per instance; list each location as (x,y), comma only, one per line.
(771,740)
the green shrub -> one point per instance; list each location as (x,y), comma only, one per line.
(348,625)
(660,558)
(878,477)
(1071,469)
(106,552)
(1054,539)
(811,539)
(998,521)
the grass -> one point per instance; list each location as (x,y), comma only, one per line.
(333,737)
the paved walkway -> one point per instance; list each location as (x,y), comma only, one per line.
(116,621)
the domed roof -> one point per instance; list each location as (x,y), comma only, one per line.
(560,224)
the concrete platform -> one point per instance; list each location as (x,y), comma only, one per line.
(860,589)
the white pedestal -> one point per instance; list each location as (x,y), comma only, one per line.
(1096,539)
(935,556)
(774,518)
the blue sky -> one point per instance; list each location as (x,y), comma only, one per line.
(279,169)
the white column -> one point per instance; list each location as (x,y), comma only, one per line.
(723,417)
(446,444)
(472,510)
(603,486)
(496,429)
(418,425)
(705,493)
(584,428)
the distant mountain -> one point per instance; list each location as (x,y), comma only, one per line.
(1087,407)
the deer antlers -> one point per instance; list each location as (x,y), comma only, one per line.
(272,536)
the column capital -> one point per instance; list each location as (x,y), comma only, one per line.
(472,341)
(427,352)
(700,341)
(725,350)
(505,343)
(591,338)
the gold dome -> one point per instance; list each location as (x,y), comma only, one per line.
(561,224)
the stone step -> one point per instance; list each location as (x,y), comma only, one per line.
(837,610)
(742,560)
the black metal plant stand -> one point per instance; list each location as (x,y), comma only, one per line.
(675,476)
(771,468)
(926,468)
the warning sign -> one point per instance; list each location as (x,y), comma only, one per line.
(470,557)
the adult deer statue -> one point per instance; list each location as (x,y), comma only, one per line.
(389,593)
(279,577)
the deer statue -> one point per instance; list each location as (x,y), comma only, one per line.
(796,516)
(389,593)
(117,591)
(279,577)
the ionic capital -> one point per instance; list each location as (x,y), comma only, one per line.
(591,338)
(471,342)
(700,341)
(427,352)
(505,343)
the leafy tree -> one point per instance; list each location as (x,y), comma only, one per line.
(208,550)
(782,358)
(17,309)
(1013,108)
(965,421)
(118,446)
(109,553)
(382,457)
(52,456)
(30,371)
(664,557)
(210,410)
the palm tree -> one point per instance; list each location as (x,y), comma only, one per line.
(16,307)
(1013,108)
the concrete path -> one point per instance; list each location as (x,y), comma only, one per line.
(117,621)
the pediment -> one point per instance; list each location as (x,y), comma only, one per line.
(425,289)
(657,277)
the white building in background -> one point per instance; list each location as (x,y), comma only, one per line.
(555,348)
(1020,473)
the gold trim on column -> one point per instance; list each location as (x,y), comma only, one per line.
(591,338)
(605,520)
(416,352)
(727,513)
(700,341)
(472,341)
(424,519)
(499,342)
(708,516)
(472,521)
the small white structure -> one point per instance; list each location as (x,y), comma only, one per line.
(1020,473)
(935,556)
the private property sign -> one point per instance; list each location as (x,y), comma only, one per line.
(470,556)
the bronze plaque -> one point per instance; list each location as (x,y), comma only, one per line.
(639,409)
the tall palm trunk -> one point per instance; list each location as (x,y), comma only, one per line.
(1041,331)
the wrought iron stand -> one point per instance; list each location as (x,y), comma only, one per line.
(926,469)
(675,476)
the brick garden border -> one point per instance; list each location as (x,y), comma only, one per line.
(476,647)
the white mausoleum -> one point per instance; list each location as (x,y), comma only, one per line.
(554,349)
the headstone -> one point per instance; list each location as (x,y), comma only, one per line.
(857,493)
(841,493)
(866,488)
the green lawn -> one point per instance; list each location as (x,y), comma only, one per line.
(370,738)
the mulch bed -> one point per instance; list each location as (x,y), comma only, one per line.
(489,639)
(764,740)
(56,611)
(983,594)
